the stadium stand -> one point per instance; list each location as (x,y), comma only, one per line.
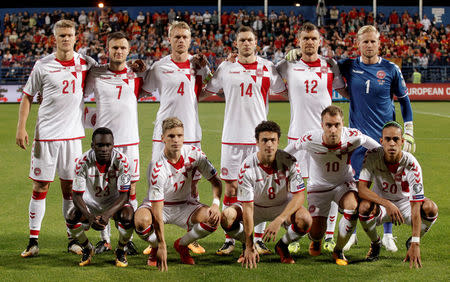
(407,40)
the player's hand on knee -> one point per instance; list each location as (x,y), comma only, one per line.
(293,55)
(22,139)
(251,258)
(232,57)
(213,215)
(96,224)
(395,214)
(161,257)
(410,143)
(270,233)
(413,256)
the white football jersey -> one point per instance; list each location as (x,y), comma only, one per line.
(310,88)
(179,86)
(393,182)
(330,166)
(61,83)
(116,98)
(170,182)
(101,185)
(246,88)
(269,187)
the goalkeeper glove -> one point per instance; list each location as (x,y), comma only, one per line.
(293,55)
(409,144)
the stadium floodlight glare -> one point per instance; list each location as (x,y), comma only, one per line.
(101,5)
(297,4)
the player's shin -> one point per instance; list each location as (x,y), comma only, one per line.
(105,234)
(427,222)
(369,225)
(36,212)
(331,220)
(237,233)
(125,233)
(77,231)
(198,231)
(347,225)
(292,234)
(67,204)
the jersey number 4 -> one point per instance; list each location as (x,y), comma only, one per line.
(181,89)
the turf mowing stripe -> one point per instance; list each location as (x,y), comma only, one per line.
(431,114)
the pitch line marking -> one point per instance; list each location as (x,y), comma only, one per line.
(431,114)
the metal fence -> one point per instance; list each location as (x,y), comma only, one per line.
(19,75)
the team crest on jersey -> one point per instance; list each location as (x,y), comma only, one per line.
(78,68)
(323,69)
(312,208)
(37,171)
(259,72)
(224,171)
(131,75)
(381,74)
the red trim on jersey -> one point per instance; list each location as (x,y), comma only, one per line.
(361,180)
(154,201)
(46,181)
(133,197)
(314,64)
(210,91)
(329,232)
(50,140)
(251,66)
(265,85)
(414,201)
(69,63)
(268,170)
(78,192)
(34,232)
(138,82)
(173,203)
(101,168)
(292,138)
(298,191)
(246,144)
(125,145)
(330,78)
(118,72)
(226,179)
(332,147)
(182,65)
(26,93)
(323,191)
(250,202)
(179,164)
(71,180)
(185,142)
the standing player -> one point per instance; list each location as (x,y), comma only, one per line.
(117,88)
(331,177)
(100,192)
(372,81)
(311,81)
(397,195)
(169,197)
(60,78)
(270,189)
(178,78)
(246,85)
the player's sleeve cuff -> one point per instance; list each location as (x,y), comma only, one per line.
(154,201)
(78,192)
(242,201)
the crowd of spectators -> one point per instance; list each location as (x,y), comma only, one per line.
(27,37)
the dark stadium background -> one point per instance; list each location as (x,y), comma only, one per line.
(90,3)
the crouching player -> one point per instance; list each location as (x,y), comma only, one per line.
(100,192)
(331,178)
(270,188)
(397,194)
(169,201)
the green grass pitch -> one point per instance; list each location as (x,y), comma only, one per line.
(432,122)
